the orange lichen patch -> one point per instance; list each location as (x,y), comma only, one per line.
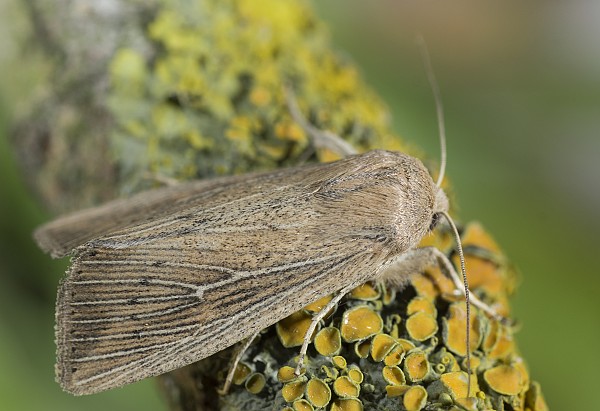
(359,323)
(291,330)
(469,404)
(286,374)
(395,356)
(415,398)
(424,286)
(319,304)
(328,341)
(421,304)
(442,282)
(339,362)
(484,274)
(389,294)
(504,379)
(367,292)
(344,387)
(293,390)
(347,404)
(356,375)
(456,384)
(416,365)
(362,348)
(302,405)
(393,375)
(242,371)
(534,400)
(505,345)
(421,326)
(381,345)
(287,409)
(318,393)
(475,363)
(406,344)
(255,383)
(475,235)
(491,336)
(396,390)
(454,329)
(519,364)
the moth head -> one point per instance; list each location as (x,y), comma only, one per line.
(440,206)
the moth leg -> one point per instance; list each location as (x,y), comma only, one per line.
(417,260)
(321,139)
(236,360)
(313,325)
(445,261)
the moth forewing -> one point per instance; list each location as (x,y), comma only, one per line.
(176,288)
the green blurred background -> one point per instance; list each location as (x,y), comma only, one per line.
(521,87)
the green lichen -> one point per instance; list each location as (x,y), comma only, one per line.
(208,99)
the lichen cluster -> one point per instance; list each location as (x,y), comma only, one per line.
(383,350)
(209,99)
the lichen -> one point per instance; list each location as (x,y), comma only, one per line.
(423,373)
(209,98)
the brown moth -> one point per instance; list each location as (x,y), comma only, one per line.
(159,280)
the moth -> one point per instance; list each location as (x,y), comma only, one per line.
(172,275)
(160,280)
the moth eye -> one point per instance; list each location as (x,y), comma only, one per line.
(434,221)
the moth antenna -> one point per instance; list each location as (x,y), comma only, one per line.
(463,269)
(438,105)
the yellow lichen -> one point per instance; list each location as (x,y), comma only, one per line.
(339,362)
(396,390)
(365,292)
(347,404)
(381,345)
(416,365)
(318,393)
(345,387)
(356,374)
(255,383)
(286,374)
(393,375)
(421,326)
(328,341)
(293,390)
(504,379)
(318,305)
(302,405)
(359,323)
(456,384)
(292,329)
(362,348)
(242,371)
(395,356)
(421,305)
(454,329)
(415,398)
